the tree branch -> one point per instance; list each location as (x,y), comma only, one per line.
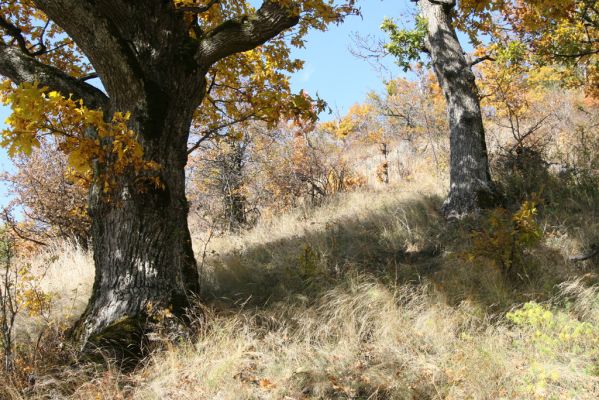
(246,33)
(91,75)
(20,67)
(198,9)
(447,3)
(13,226)
(477,60)
(16,33)
(583,257)
(208,133)
(579,54)
(99,38)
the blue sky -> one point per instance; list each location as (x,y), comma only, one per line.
(330,69)
(339,77)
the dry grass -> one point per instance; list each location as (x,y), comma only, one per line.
(365,340)
(390,232)
(65,272)
(362,298)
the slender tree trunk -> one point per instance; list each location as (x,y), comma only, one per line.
(471,187)
(234,201)
(385,164)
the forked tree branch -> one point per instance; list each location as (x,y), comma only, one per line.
(16,33)
(96,33)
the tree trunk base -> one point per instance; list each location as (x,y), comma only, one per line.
(127,330)
(461,203)
(130,338)
(124,342)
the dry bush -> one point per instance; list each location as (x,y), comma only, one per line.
(218,184)
(541,137)
(306,168)
(397,135)
(267,171)
(50,200)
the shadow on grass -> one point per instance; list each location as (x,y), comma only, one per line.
(406,242)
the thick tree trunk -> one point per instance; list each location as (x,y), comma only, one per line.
(153,67)
(141,242)
(471,187)
(142,246)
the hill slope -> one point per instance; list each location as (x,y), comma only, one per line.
(371,296)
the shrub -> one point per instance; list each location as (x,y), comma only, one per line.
(505,238)
(20,293)
(51,197)
(551,335)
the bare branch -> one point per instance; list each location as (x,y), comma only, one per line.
(40,41)
(580,54)
(521,137)
(7,218)
(207,134)
(477,60)
(91,75)
(16,33)
(583,257)
(201,140)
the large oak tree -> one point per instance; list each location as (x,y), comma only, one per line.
(156,60)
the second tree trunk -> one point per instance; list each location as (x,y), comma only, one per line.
(471,187)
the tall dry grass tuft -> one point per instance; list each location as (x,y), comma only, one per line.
(65,271)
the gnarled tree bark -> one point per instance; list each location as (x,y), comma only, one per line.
(471,187)
(152,68)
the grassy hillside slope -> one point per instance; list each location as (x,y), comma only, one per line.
(370,296)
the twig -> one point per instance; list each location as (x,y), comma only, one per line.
(205,253)
(13,226)
(584,257)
